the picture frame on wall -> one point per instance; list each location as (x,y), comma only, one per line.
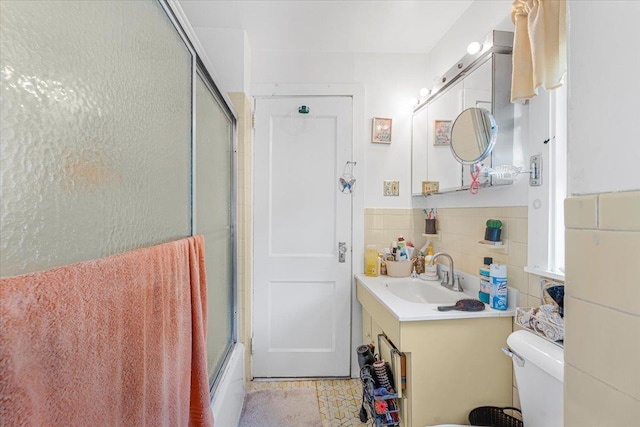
(442,132)
(381,130)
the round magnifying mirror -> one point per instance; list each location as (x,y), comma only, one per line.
(473,135)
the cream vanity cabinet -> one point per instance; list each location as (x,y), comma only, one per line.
(480,80)
(452,366)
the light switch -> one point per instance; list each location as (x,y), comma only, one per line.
(391,188)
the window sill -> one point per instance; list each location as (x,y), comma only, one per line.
(555,275)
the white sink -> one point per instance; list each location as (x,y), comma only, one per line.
(410,299)
(423,291)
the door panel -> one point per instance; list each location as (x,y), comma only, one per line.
(302,294)
(302,165)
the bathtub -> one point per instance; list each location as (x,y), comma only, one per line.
(229,395)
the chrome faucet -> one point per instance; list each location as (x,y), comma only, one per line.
(449,279)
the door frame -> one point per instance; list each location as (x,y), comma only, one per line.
(356,92)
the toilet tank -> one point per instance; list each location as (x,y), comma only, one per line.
(540,379)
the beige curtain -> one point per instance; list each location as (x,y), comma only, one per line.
(539,46)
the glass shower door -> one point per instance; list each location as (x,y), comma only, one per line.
(214,217)
(95,131)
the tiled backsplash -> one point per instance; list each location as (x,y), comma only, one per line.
(382,226)
(602,307)
(459,230)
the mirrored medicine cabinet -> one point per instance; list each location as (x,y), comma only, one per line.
(481,80)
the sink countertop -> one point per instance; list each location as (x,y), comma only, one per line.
(407,311)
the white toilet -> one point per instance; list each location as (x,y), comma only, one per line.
(539,370)
(540,378)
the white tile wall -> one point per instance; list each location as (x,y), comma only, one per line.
(602,313)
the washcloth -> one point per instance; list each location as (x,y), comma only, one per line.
(539,46)
(115,341)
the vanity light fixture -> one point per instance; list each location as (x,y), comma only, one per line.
(412,102)
(424,92)
(474,47)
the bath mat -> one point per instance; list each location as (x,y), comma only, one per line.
(281,408)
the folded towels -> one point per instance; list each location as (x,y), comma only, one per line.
(115,341)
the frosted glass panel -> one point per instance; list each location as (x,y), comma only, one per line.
(213,198)
(95,131)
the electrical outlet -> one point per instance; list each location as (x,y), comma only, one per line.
(391,188)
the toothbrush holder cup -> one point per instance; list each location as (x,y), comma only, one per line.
(430,226)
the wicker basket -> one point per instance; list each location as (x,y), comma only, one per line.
(494,417)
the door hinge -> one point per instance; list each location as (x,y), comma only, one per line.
(251,345)
(253,120)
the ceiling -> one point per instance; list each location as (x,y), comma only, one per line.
(364,26)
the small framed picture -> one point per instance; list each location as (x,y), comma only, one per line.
(442,132)
(381,130)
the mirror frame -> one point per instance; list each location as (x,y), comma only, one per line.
(492,139)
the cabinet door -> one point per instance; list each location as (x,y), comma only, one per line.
(477,93)
(367,338)
(419,141)
(389,353)
(375,331)
(432,160)
(441,165)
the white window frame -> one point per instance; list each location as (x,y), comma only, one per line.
(546,247)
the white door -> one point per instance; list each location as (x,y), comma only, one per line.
(301,291)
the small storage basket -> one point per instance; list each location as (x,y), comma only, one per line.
(494,417)
(399,268)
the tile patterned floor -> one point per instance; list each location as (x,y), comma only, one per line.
(338,400)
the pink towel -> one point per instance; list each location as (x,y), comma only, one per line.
(115,341)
